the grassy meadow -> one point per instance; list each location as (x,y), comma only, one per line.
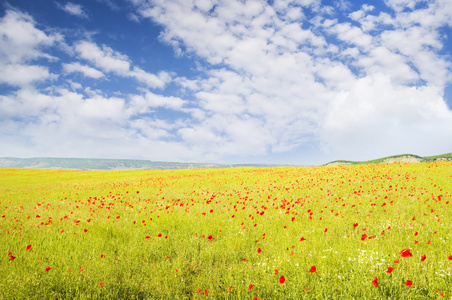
(343,232)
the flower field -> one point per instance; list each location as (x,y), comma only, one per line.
(343,232)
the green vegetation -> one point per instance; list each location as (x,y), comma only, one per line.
(395,158)
(239,233)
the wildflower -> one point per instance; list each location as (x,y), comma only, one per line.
(375,282)
(313,269)
(282,279)
(28,247)
(409,283)
(250,287)
(389,270)
(101,283)
(423,257)
(48,269)
(406,253)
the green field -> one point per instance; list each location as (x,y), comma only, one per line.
(241,233)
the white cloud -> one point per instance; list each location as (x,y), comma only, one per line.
(104,58)
(269,79)
(73,9)
(85,70)
(111,61)
(20,75)
(21,40)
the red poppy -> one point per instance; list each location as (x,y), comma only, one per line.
(244,260)
(159,235)
(101,283)
(147,237)
(450,257)
(259,250)
(230,289)
(363,237)
(250,287)
(313,269)
(210,237)
(48,269)
(101,256)
(396,261)
(375,282)
(408,283)
(86,230)
(12,257)
(205,292)
(28,247)
(276,271)
(389,270)
(302,239)
(282,279)
(406,253)
(423,257)
(326,229)
(355,225)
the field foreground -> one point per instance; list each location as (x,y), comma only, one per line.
(352,232)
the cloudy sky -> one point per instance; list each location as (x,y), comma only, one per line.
(236,81)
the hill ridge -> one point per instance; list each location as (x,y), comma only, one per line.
(394,158)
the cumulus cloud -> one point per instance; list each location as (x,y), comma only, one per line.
(323,79)
(85,70)
(111,61)
(271,77)
(73,9)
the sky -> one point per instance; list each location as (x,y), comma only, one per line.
(239,81)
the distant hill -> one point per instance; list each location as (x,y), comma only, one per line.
(395,158)
(107,164)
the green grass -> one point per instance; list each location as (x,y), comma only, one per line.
(243,209)
(447,157)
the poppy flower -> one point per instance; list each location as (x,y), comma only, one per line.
(302,239)
(147,237)
(230,289)
(355,225)
(250,287)
(101,256)
(210,237)
(450,257)
(409,283)
(205,292)
(313,269)
(28,247)
(12,257)
(159,235)
(389,270)
(259,250)
(282,279)
(375,282)
(86,230)
(406,253)
(276,271)
(48,269)
(423,257)
(396,261)
(101,283)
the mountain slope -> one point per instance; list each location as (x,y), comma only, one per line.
(395,158)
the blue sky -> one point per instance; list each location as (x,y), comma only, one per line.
(284,81)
